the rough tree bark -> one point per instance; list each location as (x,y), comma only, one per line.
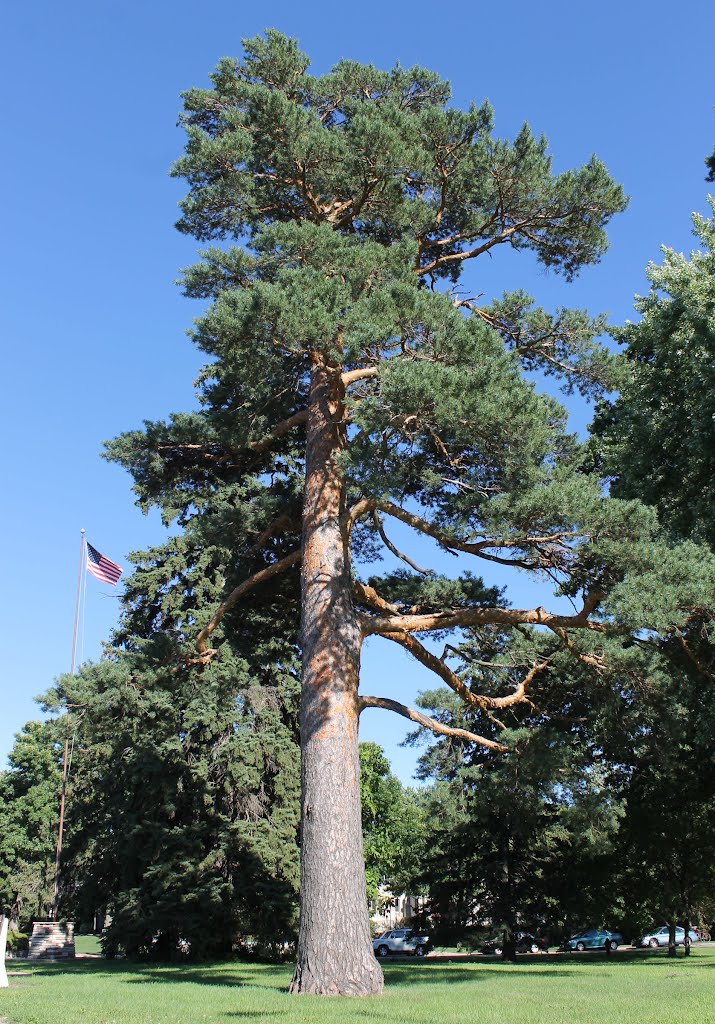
(335,955)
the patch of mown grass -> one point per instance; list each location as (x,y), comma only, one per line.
(87,944)
(638,989)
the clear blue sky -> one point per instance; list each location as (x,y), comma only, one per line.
(91,323)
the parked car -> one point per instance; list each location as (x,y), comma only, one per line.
(661,937)
(525,942)
(400,940)
(593,938)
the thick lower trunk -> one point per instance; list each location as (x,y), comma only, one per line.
(672,946)
(686,937)
(335,955)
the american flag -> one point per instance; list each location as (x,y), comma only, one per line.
(101,567)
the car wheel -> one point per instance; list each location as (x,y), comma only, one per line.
(498,951)
(653,943)
(580,946)
(420,951)
(613,944)
(383,951)
(533,948)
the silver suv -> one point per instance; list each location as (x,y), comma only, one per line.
(400,940)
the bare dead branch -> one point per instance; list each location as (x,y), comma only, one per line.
(436,665)
(398,554)
(480,548)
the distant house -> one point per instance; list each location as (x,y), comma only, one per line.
(390,911)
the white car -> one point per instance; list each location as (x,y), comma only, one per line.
(660,937)
(400,940)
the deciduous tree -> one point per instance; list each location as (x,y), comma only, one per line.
(29,814)
(656,439)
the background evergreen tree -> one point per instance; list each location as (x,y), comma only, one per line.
(349,383)
(183,806)
(183,809)
(524,842)
(29,816)
(667,756)
(656,442)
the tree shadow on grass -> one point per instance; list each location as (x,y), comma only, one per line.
(235,974)
(227,973)
(441,973)
(50,968)
(227,976)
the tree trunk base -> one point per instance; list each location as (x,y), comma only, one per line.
(366,979)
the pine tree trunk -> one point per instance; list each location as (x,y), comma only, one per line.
(335,955)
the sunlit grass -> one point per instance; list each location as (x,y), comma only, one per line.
(589,989)
(87,944)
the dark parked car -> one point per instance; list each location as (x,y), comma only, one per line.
(594,938)
(525,942)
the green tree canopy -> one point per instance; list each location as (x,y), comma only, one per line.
(29,816)
(392,825)
(657,439)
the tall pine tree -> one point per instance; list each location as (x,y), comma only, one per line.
(350,384)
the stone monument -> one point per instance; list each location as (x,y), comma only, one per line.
(52,940)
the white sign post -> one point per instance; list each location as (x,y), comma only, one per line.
(3,942)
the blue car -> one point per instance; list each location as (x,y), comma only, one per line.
(594,938)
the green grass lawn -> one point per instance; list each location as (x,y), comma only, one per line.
(588,989)
(87,944)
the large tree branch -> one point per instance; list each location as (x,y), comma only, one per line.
(278,431)
(454,618)
(362,373)
(480,548)
(370,597)
(220,454)
(236,594)
(468,254)
(428,723)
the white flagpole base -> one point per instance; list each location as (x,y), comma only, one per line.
(3,944)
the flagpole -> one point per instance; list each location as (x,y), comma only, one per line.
(65,756)
(76,604)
